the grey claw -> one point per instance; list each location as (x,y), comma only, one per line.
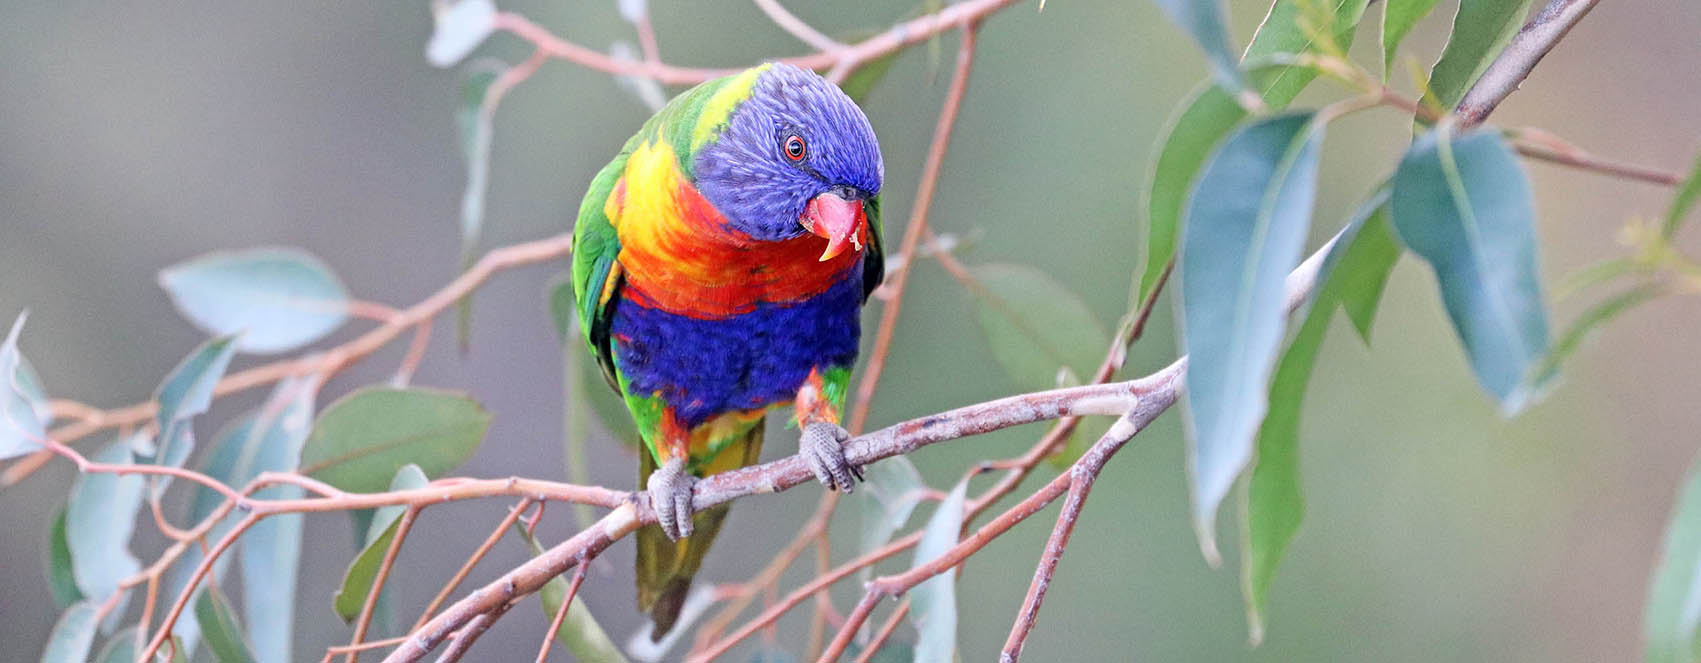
(822,446)
(670,495)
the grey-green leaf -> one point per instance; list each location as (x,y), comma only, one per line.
(1246,225)
(360,441)
(276,299)
(1687,193)
(1462,203)
(580,633)
(933,603)
(1365,252)
(892,490)
(1205,118)
(363,571)
(23,407)
(1398,17)
(1670,623)
(72,635)
(1207,22)
(1035,324)
(60,579)
(1480,29)
(459,27)
(221,629)
(120,648)
(99,520)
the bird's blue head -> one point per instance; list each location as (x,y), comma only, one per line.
(796,156)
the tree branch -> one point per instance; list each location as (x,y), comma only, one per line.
(1514,64)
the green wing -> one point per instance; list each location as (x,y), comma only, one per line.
(596,247)
(874,262)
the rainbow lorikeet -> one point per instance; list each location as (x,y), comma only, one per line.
(720,263)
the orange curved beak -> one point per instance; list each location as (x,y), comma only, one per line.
(838,220)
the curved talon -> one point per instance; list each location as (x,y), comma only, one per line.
(822,446)
(670,495)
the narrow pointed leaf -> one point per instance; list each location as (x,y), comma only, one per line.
(1398,18)
(1207,22)
(99,520)
(72,636)
(277,299)
(933,603)
(1246,224)
(1687,193)
(1275,505)
(221,629)
(23,408)
(60,579)
(1462,203)
(360,441)
(1480,29)
(1035,324)
(1206,118)
(1671,624)
(1300,26)
(893,488)
(120,648)
(363,571)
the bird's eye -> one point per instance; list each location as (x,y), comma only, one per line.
(794,148)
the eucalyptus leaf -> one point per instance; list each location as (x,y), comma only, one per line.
(1035,324)
(221,628)
(1398,18)
(1207,116)
(1671,624)
(459,27)
(188,389)
(1246,224)
(1207,22)
(1462,203)
(120,648)
(363,571)
(23,407)
(61,581)
(277,298)
(72,636)
(892,489)
(360,441)
(1480,29)
(933,603)
(1364,254)
(1301,26)
(1687,193)
(99,520)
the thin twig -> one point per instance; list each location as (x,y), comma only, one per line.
(1514,64)
(477,556)
(378,580)
(794,25)
(885,632)
(332,652)
(561,612)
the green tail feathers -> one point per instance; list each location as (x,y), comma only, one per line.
(665,568)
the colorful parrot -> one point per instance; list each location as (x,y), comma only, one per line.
(720,263)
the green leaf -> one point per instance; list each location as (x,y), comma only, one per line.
(892,490)
(1246,224)
(587,386)
(176,651)
(1590,321)
(1670,622)
(277,299)
(1687,194)
(1207,22)
(1275,505)
(188,391)
(933,603)
(99,520)
(360,441)
(120,648)
(1480,30)
(1297,26)
(1035,324)
(363,571)
(23,407)
(72,635)
(1398,17)
(459,27)
(862,81)
(580,633)
(60,579)
(221,628)
(1462,203)
(1205,118)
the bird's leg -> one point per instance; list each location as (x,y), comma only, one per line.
(670,495)
(822,444)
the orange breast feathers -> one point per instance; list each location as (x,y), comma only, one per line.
(679,255)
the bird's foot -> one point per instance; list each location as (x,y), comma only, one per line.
(670,495)
(822,447)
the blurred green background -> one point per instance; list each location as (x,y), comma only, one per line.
(137,134)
